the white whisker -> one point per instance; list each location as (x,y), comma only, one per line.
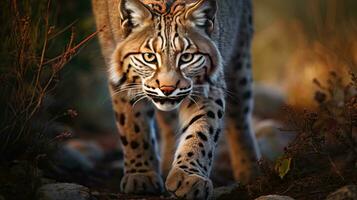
(137,101)
(192,99)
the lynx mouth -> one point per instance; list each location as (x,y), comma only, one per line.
(164,100)
(167,103)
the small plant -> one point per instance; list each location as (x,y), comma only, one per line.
(322,158)
(325,150)
(29,73)
(282,166)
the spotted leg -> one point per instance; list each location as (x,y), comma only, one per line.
(244,152)
(201,126)
(141,162)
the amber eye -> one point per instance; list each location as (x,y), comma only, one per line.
(186,57)
(150,57)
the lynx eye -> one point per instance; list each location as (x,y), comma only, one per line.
(150,57)
(186,57)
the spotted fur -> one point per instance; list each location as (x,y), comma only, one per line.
(190,57)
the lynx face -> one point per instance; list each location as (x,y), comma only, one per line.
(170,52)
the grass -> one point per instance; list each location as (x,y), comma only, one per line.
(323,155)
(29,74)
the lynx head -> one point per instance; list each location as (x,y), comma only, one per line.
(169,50)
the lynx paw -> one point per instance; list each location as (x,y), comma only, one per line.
(188,185)
(142,183)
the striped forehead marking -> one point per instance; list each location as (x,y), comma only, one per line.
(168,18)
(167,33)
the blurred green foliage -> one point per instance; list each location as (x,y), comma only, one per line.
(287,29)
(315,16)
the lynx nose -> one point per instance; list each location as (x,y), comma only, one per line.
(167,90)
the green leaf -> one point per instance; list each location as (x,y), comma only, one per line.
(282,166)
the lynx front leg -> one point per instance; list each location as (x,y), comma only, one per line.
(141,165)
(201,126)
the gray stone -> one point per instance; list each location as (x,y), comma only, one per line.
(346,193)
(223,192)
(90,149)
(268,101)
(45,181)
(117,165)
(274,197)
(272,139)
(71,158)
(63,191)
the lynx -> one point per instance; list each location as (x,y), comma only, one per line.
(184,59)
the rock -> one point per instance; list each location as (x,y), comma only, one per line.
(225,192)
(271,139)
(117,165)
(274,197)
(90,149)
(79,154)
(346,193)
(2,198)
(72,159)
(268,101)
(63,191)
(45,181)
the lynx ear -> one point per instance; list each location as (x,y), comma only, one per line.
(133,14)
(202,14)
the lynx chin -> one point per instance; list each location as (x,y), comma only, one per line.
(177,59)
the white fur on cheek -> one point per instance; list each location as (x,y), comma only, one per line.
(114,76)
